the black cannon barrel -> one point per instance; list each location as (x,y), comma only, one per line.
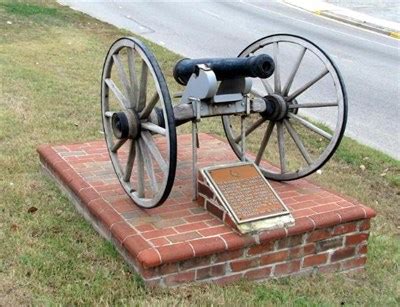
(261,66)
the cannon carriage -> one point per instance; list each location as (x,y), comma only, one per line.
(258,96)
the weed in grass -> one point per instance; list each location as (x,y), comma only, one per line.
(50,69)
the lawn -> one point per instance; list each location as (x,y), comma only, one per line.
(50,62)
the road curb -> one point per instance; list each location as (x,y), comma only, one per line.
(324,9)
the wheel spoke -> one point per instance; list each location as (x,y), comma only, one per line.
(143,87)
(152,147)
(250,129)
(307,85)
(148,164)
(129,163)
(149,107)
(118,145)
(118,94)
(286,89)
(281,145)
(277,75)
(154,128)
(297,140)
(132,75)
(313,105)
(140,171)
(123,78)
(267,86)
(311,126)
(256,93)
(264,142)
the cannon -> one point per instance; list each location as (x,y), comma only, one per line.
(271,99)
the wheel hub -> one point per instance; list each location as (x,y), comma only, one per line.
(276,107)
(125,125)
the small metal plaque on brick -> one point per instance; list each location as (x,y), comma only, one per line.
(244,192)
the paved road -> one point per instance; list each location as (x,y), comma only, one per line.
(369,62)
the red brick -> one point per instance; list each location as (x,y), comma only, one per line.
(191,227)
(326,208)
(260,249)
(159,241)
(363,249)
(213,231)
(187,236)
(272,235)
(122,230)
(327,200)
(135,244)
(329,243)
(354,263)
(274,257)
(123,206)
(302,225)
(205,190)
(329,268)
(236,241)
(356,238)
(215,210)
(228,279)
(315,260)
(326,219)
(201,200)
(175,252)
(208,246)
(88,194)
(302,213)
(258,273)
(108,217)
(168,268)
(97,206)
(178,278)
(199,217)
(290,241)
(344,228)
(229,221)
(318,235)
(364,225)
(158,233)
(77,184)
(144,227)
(149,258)
(287,268)
(301,251)
(222,257)
(194,263)
(351,214)
(209,272)
(343,253)
(244,264)
(306,198)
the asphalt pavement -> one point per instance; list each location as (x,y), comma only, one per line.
(368,61)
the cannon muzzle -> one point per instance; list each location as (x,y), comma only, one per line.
(261,66)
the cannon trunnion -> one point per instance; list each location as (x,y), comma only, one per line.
(282,100)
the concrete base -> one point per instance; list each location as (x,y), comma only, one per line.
(181,241)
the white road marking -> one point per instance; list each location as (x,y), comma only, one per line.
(319,26)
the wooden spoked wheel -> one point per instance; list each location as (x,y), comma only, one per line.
(138,122)
(306,110)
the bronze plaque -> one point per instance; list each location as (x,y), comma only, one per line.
(245,192)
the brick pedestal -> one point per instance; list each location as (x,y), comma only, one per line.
(181,241)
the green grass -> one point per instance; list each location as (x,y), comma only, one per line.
(50,63)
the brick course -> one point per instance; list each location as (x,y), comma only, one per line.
(184,241)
